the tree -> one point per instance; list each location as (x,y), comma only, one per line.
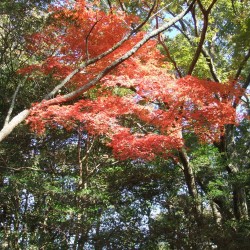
(125,136)
(80,5)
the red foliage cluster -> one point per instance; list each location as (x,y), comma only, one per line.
(76,34)
(165,107)
(172,110)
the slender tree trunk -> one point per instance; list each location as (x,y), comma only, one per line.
(190,181)
(240,205)
(227,149)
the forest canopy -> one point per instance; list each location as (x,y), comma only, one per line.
(124,124)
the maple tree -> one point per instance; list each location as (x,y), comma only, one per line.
(82,10)
(170,105)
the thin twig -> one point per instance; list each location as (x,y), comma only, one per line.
(159,11)
(7,119)
(161,41)
(87,37)
(23,168)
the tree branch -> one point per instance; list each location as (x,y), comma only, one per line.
(16,120)
(161,41)
(247,82)
(199,47)
(123,6)
(203,34)
(210,64)
(242,64)
(205,53)
(23,169)
(87,37)
(7,119)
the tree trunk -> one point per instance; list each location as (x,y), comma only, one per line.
(190,181)
(227,149)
